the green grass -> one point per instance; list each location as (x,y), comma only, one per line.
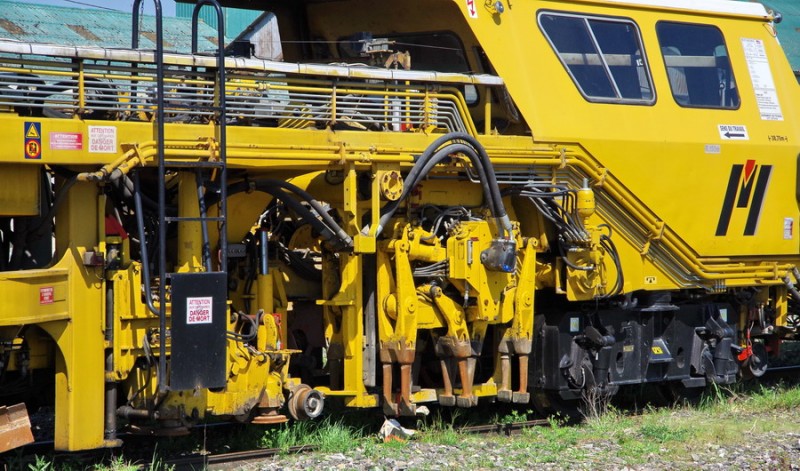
(630,437)
(329,436)
(336,437)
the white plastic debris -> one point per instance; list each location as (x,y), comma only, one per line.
(392,430)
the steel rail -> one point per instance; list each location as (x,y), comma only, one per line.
(239,456)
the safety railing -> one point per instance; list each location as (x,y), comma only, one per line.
(94,89)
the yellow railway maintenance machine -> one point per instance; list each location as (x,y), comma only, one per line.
(428,201)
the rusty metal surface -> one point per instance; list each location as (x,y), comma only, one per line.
(15,427)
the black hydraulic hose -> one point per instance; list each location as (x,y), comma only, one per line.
(420,171)
(423,167)
(203,212)
(48,219)
(110,421)
(326,232)
(490,175)
(143,245)
(309,198)
(124,185)
(478,158)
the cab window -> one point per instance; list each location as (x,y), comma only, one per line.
(602,55)
(698,67)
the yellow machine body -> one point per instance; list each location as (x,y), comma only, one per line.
(509,197)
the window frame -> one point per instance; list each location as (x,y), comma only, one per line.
(620,100)
(730,65)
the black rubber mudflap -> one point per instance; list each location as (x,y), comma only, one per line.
(199,321)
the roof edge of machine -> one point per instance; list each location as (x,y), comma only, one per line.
(148,56)
(725,7)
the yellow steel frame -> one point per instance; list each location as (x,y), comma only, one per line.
(586,142)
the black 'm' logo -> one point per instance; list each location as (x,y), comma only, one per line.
(747,187)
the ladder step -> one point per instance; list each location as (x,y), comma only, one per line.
(194,219)
(194,164)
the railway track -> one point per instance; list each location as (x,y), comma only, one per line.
(228,461)
(234,460)
(225,461)
(782,373)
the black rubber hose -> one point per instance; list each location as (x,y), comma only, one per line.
(47,221)
(479,159)
(326,232)
(309,198)
(422,168)
(125,186)
(143,246)
(489,170)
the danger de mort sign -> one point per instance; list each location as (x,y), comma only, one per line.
(102,139)
(199,310)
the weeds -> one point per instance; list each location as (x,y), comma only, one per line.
(329,436)
(441,431)
(41,464)
(595,402)
(287,435)
(335,437)
(662,433)
(514,417)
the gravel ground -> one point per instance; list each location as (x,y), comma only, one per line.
(768,451)
(778,453)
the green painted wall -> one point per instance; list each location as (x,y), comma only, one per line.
(789,28)
(236,19)
(30,22)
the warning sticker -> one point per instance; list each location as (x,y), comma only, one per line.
(32,146)
(33,130)
(66,141)
(472,9)
(46,295)
(33,149)
(103,139)
(199,310)
(733,132)
(763,83)
(788,228)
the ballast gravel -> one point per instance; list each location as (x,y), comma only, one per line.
(768,451)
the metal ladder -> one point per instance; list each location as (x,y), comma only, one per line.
(197,341)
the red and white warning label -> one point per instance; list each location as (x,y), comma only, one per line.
(66,141)
(46,295)
(199,310)
(103,139)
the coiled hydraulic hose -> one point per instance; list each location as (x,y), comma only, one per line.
(436,152)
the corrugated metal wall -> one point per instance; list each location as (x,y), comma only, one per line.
(71,26)
(236,19)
